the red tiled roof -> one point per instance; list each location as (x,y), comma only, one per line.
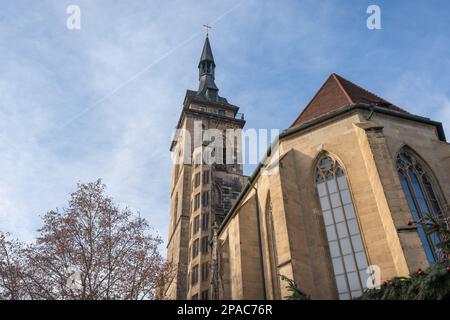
(336,93)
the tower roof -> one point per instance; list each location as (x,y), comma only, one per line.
(207,87)
(338,92)
(207,54)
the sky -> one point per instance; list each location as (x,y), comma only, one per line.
(103,101)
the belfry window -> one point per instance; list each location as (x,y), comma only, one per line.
(421,197)
(341,225)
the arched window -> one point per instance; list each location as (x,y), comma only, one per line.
(420,192)
(344,238)
(271,244)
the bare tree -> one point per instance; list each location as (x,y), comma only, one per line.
(11,262)
(90,250)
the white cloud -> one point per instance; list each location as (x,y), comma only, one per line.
(270,56)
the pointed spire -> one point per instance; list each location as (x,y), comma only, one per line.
(207,66)
(207,52)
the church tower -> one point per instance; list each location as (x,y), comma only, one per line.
(206,180)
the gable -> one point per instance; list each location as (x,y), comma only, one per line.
(336,93)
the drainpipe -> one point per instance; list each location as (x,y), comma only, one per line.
(258,222)
(372,111)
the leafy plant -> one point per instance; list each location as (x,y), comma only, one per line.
(296,293)
(430,284)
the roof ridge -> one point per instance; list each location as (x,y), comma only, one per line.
(312,99)
(336,78)
(359,87)
(338,91)
(369,92)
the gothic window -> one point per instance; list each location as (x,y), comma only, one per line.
(341,225)
(194,276)
(205,244)
(206,177)
(271,243)
(196,224)
(197,180)
(195,248)
(205,199)
(205,221)
(420,192)
(197,201)
(205,271)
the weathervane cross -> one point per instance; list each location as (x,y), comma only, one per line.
(207,27)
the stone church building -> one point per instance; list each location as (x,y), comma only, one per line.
(333,196)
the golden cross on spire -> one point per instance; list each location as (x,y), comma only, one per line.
(207,27)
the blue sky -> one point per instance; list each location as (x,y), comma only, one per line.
(102,102)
